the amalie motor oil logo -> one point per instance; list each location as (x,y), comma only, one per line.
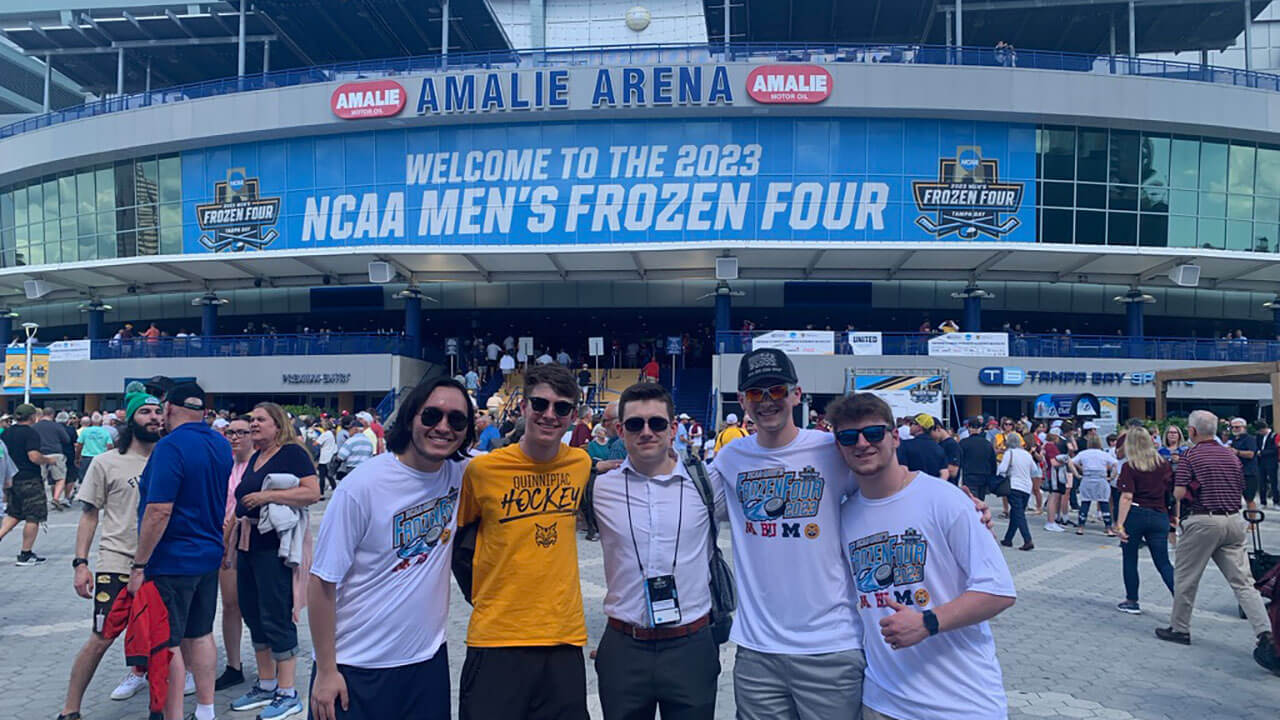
(789,84)
(370,99)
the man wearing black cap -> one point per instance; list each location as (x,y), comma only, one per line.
(26,499)
(183,495)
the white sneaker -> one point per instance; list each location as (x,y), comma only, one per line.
(131,685)
(190,687)
(1054,527)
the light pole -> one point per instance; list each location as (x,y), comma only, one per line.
(30,329)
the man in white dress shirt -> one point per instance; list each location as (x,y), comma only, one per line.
(658,651)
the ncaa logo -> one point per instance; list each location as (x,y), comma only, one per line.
(1002,376)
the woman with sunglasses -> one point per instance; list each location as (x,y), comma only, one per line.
(379,587)
(264,580)
(237,433)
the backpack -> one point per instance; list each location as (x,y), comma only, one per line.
(724,596)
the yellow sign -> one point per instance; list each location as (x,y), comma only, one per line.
(15,369)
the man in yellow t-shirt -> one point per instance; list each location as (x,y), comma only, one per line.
(732,431)
(527,631)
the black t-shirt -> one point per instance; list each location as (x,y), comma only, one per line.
(923,454)
(1246,442)
(584,378)
(18,441)
(291,459)
(950,450)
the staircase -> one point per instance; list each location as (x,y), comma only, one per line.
(693,385)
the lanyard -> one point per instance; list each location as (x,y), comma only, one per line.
(626,486)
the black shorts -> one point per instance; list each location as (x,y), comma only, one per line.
(537,683)
(1250,487)
(191,601)
(419,691)
(106,586)
(25,500)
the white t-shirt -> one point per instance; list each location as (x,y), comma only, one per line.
(784,511)
(924,547)
(385,543)
(328,445)
(507,363)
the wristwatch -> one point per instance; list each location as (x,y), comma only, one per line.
(77,562)
(138,566)
(930,622)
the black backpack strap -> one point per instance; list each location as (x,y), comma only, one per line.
(587,505)
(698,472)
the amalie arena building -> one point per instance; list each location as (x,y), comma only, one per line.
(837,174)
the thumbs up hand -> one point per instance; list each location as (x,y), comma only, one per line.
(904,628)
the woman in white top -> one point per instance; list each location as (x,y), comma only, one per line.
(1096,468)
(327,446)
(1017,463)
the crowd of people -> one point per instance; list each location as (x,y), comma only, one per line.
(196,509)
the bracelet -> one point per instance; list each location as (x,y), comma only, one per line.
(138,566)
(77,562)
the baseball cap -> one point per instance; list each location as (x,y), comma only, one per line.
(975,422)
(1089,426)
(924,420)
(764,368)
(187,395)
(366,417)
(25,410)
(683,416)
(220,423)
(732,419)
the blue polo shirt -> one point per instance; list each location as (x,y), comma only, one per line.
(487,438)
(189,467)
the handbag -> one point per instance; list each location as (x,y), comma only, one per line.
(1002,488)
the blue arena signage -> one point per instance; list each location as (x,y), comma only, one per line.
(604,182)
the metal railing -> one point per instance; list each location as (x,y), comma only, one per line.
(252,346)
(1062,346)
(659,54)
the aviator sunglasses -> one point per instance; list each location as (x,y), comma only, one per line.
(777,392)
(432,416)
(636,424)
(873,434)
(540,405)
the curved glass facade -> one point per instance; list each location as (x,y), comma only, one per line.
(1092,186)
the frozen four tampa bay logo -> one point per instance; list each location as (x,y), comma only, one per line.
(968,198)
(239,218)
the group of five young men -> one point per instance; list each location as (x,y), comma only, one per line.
(863,588)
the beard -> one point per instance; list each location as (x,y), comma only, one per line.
(142,433)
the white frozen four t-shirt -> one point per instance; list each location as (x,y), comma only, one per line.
(924,546)
(784,510)
(384,542)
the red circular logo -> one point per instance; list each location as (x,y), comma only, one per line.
(370,99)
(789,84)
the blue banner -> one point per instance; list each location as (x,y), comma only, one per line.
(827,179)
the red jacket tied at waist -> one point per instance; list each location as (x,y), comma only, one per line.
(146,644)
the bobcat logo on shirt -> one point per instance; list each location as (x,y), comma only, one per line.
(881,561)
(778,493)
(545,536)
(419,529)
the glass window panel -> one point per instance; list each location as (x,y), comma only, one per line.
(86,198)
(1123,197)
(1057,194)
(1056,226)
(88,249)
(1091,156)
(171,215)
(1240,173)
(1266,237)
(125,196)
(22,234)
(20,206)
(1154,168)
(1266,209)
(1213,204)
(1239,235)
(106,245)
(67,196)
(1184,163)
(50,200)
(107,224)
(1090,195)
(35,254)
(148,240)
(1240,206)
(35,203)
(35,233)
(1091,227)
(1183,202)
(1153,230)
(171,179)
(105,181)
(126,243)
(1125,157)
(69,248)
(6,209)
(1122,228)
(1268,176)
(1210,233)
(170,240)
(1213,166)
(52,246)
(1056,154)
(86,225)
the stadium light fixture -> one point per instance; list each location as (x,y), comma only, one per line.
(1134,296)
(94,304)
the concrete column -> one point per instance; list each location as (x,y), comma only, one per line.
(6,327)
(972,407)
(240,42)
(209,320)
(972,319)
(48,79)
(1133,33)
(1133,320)
(96,318)
(1136,407)
(444,33)
(413,324)
(1248,43)
(727,33)
(266,56)
(120,72)
(537,24)
(147,86)
(960,23)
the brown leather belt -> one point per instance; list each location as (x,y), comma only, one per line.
(659,633)
(1215,512)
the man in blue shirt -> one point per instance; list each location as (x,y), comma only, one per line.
(487,433)
(182,503)
(921,452)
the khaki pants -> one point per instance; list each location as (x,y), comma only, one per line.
(1220,537)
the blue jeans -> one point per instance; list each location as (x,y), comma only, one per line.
(1152,527)
(1018,516)
(1104,507)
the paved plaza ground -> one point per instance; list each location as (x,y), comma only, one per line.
(1065,650)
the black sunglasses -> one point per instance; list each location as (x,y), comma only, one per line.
(636,424)
(540,405)
(432,416)
(873,434)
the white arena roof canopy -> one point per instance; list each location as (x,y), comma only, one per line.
(1008,262)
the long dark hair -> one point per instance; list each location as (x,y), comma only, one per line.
(400,433)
